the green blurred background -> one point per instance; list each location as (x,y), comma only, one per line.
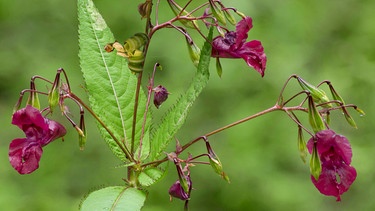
(318,40)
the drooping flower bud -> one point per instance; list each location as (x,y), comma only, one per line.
(178,11)
(53,94)
(160,95)
(219,68)
(318,94)
(315,166)
(301,145)
(229,17)
(315,119)
(82,134)
(217,12)
(194,51)
(215,162)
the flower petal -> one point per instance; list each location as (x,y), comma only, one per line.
(253,53)
(55,131)
(29,116)
(24,155)
(335,182)
(242,28)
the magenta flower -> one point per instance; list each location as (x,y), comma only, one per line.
(335,155)
(234,45)
(25,153)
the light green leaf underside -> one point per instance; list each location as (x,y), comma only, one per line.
(150,176)
(109,82)
(115,198)
(176,116)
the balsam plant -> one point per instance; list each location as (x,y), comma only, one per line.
(113,72)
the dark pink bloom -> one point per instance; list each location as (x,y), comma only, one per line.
(234,45)
(335,155)
(25,153)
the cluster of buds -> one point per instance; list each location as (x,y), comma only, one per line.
(25,153)
(331,153)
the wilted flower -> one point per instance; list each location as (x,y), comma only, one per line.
(161,95)
(25,153)
(234,45)
(335,155)
(177,191)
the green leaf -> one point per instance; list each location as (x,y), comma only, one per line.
(114,198)
(150,176)
(176,116)
(110,84)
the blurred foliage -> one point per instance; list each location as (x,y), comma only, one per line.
(317,40)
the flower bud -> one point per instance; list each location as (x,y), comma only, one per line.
(315,119)
(318,95)
(215,162)
(217,12)
(302,145)
(229,17)
(194,51)
(219,69)
(82,134)
(178,11)
(315,167)
(53,94)
(160,95)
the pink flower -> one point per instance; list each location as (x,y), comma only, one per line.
(25,153)
(335,155)
(234,45)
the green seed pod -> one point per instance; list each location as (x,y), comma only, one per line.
(318,95)
(315,119)
(301,145)
(135,42)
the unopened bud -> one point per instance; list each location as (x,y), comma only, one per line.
(315,166)
(33,100)
(337,97)
(215,162)
(194,51)
(302,145)
(219,69)
(318,95)
(54,95)
(315,118)
(160,95)
(82,134)
(230,17)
